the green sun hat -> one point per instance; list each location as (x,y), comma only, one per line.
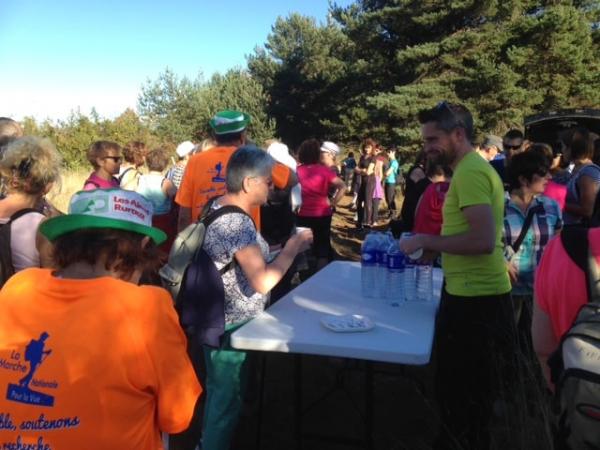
(105,208)
(229,121)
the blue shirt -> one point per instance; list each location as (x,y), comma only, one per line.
(391,179)
(545,224)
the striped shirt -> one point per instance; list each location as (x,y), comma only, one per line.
(547,221)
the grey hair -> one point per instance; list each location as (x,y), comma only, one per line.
(247,161)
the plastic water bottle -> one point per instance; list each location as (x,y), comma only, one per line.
(368,266)
(424,281)
(383,244)
(410,291)
(395,276)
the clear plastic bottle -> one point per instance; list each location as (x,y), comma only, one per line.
(368,266)
(395,275)
(383,244)
(410,291)
(424,281)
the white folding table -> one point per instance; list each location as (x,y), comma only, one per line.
(402,334)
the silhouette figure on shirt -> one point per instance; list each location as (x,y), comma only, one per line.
(35,354)
(218,168)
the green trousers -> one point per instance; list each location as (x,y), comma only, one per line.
(226,377)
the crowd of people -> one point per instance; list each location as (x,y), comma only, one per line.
(492,211)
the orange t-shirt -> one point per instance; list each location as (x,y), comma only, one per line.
(204,178)
(93,364)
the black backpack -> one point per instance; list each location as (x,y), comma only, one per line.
(195,283)
(7,269)
(575,365)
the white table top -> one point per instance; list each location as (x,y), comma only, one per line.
(402,334)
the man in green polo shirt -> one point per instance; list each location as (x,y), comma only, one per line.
(475,337)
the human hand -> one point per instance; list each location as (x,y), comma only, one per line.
(513,272)
(302,240)
(410,245)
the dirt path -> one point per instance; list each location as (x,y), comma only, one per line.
(346,240)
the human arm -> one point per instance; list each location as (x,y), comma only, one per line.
(371,168)
(263,277)
(391,169)
(588,189)
(168,188)
(170,372)
(544,340)
(339,184)
(184,218)
(478,240)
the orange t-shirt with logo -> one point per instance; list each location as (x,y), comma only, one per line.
(92,364)
(204,178)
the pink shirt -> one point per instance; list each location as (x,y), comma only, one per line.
(95,182)
(556,192)
(560,289)
(315,180)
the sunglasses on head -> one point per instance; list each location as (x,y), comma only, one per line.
(444,105)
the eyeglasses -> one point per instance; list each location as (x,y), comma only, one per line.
(444,105)
(116,159)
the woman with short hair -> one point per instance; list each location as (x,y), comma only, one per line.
(584,183)
(160,191)
(528,174)
(29,168)
(233,237)
(105,157)
(134,154)
(105,356)
(316,211)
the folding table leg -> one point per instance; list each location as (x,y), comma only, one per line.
(298,400)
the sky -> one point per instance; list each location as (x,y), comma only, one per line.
(65,55)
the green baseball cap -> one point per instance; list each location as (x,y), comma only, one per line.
(105,208)
(229,121)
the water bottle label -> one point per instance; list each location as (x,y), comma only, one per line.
(368,257)
(382,258)
(396,262)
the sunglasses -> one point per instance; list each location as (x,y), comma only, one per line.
(445,105)
(116,159)
(511,147)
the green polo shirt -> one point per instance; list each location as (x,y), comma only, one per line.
(475,182)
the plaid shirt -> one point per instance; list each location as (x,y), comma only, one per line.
(545,224)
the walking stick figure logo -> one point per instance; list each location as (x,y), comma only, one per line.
(218,178)
(35,353)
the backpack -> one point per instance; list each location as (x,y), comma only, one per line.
(6,265)
(575,365)
(195,283)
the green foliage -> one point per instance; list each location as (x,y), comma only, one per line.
(73,136)
(376,63)
(179,109)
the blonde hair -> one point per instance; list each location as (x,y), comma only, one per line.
(29,164)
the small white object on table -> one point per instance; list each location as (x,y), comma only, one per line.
(402,334)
